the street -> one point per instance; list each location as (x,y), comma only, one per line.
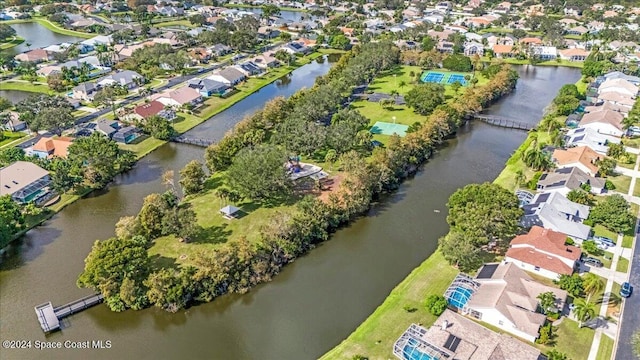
(630,313)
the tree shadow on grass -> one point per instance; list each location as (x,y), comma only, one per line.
(158,262)
(212,183)
(216,234)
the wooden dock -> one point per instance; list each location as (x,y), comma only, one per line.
(49,317)
(192,141)
(504,122)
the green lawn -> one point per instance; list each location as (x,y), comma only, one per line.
(374,112)
(13,41)
(627,241)
(631,163)
(26,86)
(374,338)
(606,348)
(507,177)
(216,229)
(582,86)
(143,146)
(10,137)
(623,264)
(621,183)
(571,340)
(636,189)
(174,23)
(600,230)
(632,142)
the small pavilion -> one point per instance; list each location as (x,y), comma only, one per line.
(229,212)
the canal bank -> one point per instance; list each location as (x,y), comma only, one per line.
(312,305)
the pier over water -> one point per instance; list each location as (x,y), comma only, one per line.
(49,317)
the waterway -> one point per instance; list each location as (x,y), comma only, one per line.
(15,96)
(38,36)
(312,305)
(293,16)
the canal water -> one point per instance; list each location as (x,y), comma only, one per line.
(38,36)
(312,305)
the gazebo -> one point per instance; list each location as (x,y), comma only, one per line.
(229,212)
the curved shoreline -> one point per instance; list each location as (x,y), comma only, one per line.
(15,41)
(51,26)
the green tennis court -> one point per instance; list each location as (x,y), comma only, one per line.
(385,128)
(445,78)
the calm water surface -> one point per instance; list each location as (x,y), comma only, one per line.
(38,36)
(312,305)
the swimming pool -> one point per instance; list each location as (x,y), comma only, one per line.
(412,352)
(460,297)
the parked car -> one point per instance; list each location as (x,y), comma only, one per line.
(602,247)
(592,261)
(604,241)
(626,290)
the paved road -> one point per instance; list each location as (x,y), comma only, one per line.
(631,313)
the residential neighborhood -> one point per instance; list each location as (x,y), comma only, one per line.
(482,157)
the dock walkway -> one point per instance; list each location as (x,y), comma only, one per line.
(49,317)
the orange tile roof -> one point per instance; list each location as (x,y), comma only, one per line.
(549,241)
(502,49)
(580,154)
(531,40)
(539,259)
(59,146)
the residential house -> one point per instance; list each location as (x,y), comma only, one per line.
(574,54)
(127,78)
(208,87)
(295,48)
(605,122)
(35,55)
(444,6)
(606,105)
(591,138)
(505,296)
(635,80)
(265,60)
(543,252)
(248,68)
(554,211)
(571,178)
(473,48)
(25,182)
(85,91)
(619,100)
(229,76)
(179,97)
(125,135)
(45,71)
(545,52)
(267,33)
(577,30)
(530,41)
(620,86)
(153,108)
(126,51)
(454,336)
(107,127)
(220,49)
(199,55)
(50,147)
(445,47)
(13,122)
(572,10)
(582,157)
(503,51)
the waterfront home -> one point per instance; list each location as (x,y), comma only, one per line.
(545,52)
(554,211)
(85,91)
(57,48)
(543,252)
(125,135)
(143,111)
(503,51)
(127,78)
(179,97)
(453,336)
(605,122)
(616,99)
(208,87)
(589,137)
(619,86)
(24,181)
(609,105)
(295,48)
(505,296)
(48,70)
(229,76)
(35,56)
(265,60)
(50,147)
(582,157)
(574,54)
(571,178)
(267,33)
(13,122)
(107,127)
(248,68)
(635,80)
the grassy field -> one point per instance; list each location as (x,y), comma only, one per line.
(26,86)
(605,349)
(185,23)
(507,178)
(600,230)
(14,41)
(627,241)
(623,265)
(10,137)
(582,86)
(621,183)
(374,338)
(571,340)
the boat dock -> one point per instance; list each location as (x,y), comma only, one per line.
(49,317)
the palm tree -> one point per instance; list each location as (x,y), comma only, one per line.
(592,285)
(520,178)
(584,311)
(537,159)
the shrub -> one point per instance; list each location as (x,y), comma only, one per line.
(436,304)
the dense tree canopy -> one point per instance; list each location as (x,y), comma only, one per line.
(424,98)
(11,219)
(6,31)
(457,62)
(101,157)
(484,212)
(260,173)
(613,212)
(192,177)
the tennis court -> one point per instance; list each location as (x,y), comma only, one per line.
(385,128)
(444,78)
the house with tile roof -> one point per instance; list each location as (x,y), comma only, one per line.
(582,157)
(35,55)
(574,54)
(507,298)
(503,51)
(543,252)
(620,86)
(50,147)
(589,137)
(571,178)
(605,122)
(554,211)
(146,110)
(178,97)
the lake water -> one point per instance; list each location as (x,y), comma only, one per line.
(312,305)
(38,36)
